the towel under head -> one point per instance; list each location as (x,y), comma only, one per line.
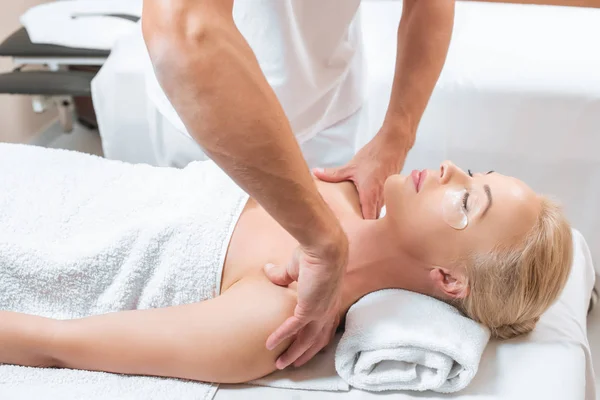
(400,340)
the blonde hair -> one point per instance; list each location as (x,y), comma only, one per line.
(510,288)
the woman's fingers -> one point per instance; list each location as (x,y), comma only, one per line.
(289,328)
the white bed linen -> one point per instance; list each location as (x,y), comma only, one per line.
(552,363)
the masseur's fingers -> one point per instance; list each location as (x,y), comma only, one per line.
(333,175)
(368,203)
(278,275)
(320,277)
(314,349)
(305,340)
(283,276)
(289,328)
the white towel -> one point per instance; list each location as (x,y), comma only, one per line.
(317,374)
(81,24)
(400,340)
(82,235)
(22,383)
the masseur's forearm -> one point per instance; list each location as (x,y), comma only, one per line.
(212,78)
(423,41)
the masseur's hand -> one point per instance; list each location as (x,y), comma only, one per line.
(319,273)
(383,156)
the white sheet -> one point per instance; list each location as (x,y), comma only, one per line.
(552,363)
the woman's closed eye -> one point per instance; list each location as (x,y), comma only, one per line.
(471,174)
(465,201)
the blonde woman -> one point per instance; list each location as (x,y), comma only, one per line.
(484,242)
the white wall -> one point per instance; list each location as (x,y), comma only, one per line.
(18,122)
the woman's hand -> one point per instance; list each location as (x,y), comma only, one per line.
(319,275)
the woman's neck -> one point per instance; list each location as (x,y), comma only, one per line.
(377,261)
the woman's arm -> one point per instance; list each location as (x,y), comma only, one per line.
(220,340)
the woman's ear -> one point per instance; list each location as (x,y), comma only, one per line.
(451,284)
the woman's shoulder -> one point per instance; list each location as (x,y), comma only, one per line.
(258,288)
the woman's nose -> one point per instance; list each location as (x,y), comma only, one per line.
(445,172)
(450,172)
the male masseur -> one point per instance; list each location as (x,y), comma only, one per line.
(267,88)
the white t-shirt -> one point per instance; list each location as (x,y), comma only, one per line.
(311,54)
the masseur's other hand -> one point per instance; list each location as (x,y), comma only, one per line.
(319,273)
(383,156)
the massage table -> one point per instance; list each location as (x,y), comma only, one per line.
(53,84)
(60,74)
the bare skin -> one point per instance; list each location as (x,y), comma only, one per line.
(222,340)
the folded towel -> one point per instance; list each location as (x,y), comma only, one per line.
(317,374)
(85,24)
(400,340)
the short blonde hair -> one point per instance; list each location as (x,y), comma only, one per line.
(510,288)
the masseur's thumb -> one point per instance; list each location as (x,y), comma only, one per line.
(333,175)
(278,275)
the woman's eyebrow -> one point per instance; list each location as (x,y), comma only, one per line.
(488,193)
(489,172)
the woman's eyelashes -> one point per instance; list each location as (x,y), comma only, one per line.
(471,174)
(465,201)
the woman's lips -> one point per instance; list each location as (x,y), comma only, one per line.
(418,178)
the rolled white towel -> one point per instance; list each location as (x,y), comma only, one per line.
(400,340)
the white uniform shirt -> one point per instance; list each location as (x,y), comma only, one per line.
(311,54)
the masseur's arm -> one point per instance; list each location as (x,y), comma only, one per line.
(212,78)
(423,40)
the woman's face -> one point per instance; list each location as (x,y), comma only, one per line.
(443,215)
